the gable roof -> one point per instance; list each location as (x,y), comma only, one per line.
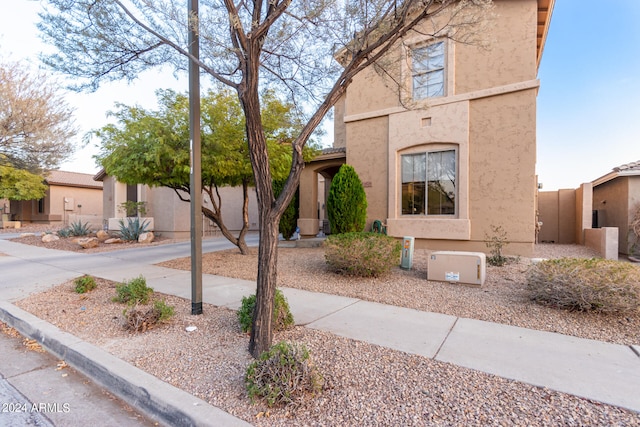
(628,169)
(72,179)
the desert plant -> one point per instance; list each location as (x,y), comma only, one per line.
(634,233)
(289,219)
(284,375)
(63,232)
(362,254)
(79,229)
(85,284)
(347,202)
(131,208)
(133,229)
(282,317)
(139,321)
(578,284)
(134,291)
(496,242)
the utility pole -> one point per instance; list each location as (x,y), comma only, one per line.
(196,166)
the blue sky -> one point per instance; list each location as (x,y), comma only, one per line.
(588,103)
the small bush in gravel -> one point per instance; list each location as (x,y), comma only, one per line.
(579,284)
(496,241)
(282,317)
(361,254)
(135,291)
(84,284)
(139,321)
(346,202)
(284,375)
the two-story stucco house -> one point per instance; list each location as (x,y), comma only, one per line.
(454,154)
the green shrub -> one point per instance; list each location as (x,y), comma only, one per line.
(347,202)
(361,254)
(597,285)
(283,375)
(133,229)
(85,284)
(282,317)
(164,310)
(495,242)
(289,219)
(135,291)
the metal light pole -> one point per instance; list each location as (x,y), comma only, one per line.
(195,179)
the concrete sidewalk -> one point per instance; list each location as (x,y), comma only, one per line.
(595,370)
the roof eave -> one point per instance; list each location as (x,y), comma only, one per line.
(545,10)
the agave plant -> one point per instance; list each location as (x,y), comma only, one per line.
(133,229)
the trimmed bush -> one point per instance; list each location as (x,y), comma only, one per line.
(282,317)
(347,202)
(577,284)
(495,242)
(362,254)
(85,284)
(289,219)
(135,291)
(284,375)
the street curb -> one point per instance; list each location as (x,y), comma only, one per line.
(158,400)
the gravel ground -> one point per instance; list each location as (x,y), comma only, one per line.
(366,385)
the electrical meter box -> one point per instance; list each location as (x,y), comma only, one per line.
(457,267)
(406,261)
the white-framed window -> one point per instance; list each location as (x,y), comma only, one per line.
(429,183)
(428,70)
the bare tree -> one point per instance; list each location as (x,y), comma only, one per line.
(308,51)
(36,123)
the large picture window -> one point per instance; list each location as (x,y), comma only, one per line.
(429,183)
(428,65)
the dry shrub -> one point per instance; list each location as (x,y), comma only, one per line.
(284,375)
(140,321)
(577,284)
(362,254)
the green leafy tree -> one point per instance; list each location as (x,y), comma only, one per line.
(16,184)
(152,147)
(347,202)
(308,52)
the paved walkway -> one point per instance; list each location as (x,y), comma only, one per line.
(591,369)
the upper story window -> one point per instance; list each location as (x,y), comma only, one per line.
(428,70)
(429,183)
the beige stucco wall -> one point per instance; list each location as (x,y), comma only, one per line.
(549,215)
(61,206)
(611,200)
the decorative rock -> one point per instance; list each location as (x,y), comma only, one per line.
(190,328)
(146,237)
(112,241)
(102,235)
(27,234)
(48,238)
(88,242)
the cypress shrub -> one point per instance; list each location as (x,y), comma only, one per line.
(289,220)
(347,202)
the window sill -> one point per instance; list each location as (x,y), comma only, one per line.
(430,228)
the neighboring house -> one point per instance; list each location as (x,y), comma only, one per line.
(616,198)
(70,197)
(171,216)
(461,159)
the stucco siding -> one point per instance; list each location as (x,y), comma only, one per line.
(367,152)
(611,200)
(502,167)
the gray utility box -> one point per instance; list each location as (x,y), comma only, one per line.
(406,260)
(457,267)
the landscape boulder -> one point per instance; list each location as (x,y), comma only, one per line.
(48,238)
(146,237)
(112,241)
(88,242)
(102,235)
